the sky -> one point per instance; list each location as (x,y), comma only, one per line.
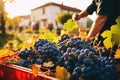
(23,7)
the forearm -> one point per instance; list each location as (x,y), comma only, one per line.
(97,25)
(77,16)
(83,14)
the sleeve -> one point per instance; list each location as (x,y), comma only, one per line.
(92,7)
(105,7)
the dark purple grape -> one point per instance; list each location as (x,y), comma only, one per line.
(77,51)
(68,49)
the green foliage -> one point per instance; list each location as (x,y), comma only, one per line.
(49,36)
(70,25)
(63,17)
(113,35)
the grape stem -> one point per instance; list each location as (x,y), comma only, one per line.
(98,48)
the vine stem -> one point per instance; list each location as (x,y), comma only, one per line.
(98,48)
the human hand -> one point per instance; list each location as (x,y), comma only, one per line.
(75,17)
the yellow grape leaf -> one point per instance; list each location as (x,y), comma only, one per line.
(107,42)
(61,73)
(116,38)
(115,29)
(106,33)
(117,54)
(28,43)
(2,53)
(6,51)
(64,32)
(10,52)
(83,33)
(70,25)
(49,36)
(56,39)
(35,69)
(118,20)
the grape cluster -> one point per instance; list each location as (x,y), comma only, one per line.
(40,42)
(81,60)
(44,51)
(49,52)
(26,55)
(92,67)
(74,42)
(83,63)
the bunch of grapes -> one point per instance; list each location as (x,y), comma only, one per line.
(40,42)
(44,51)
(49,52)
(83,63)
(74,42)
(26,56)
(93,67)
(81,60)
(27,53)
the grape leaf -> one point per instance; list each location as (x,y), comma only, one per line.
(106,33)
(117,54)
(64,32)
(10,52)
(115,29)
(49,35)
(116,38)
(70,25)
(61,73)
(35,69)
(107,42)
(113,35)
(5,52)
(28,43)
(118,20)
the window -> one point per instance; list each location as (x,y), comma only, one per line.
(43,10)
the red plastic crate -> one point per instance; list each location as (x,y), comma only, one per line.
(14,72)
(8,56)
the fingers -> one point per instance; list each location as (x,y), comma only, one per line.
(75,17)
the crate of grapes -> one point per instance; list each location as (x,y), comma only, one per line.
(75,56)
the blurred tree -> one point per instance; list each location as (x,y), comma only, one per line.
(2,21)
(15,22)
(62,18)
(3,15)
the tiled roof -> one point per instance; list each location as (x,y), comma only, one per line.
(59,5)
(25,16)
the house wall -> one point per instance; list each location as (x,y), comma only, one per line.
(51,12)
(50,15)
